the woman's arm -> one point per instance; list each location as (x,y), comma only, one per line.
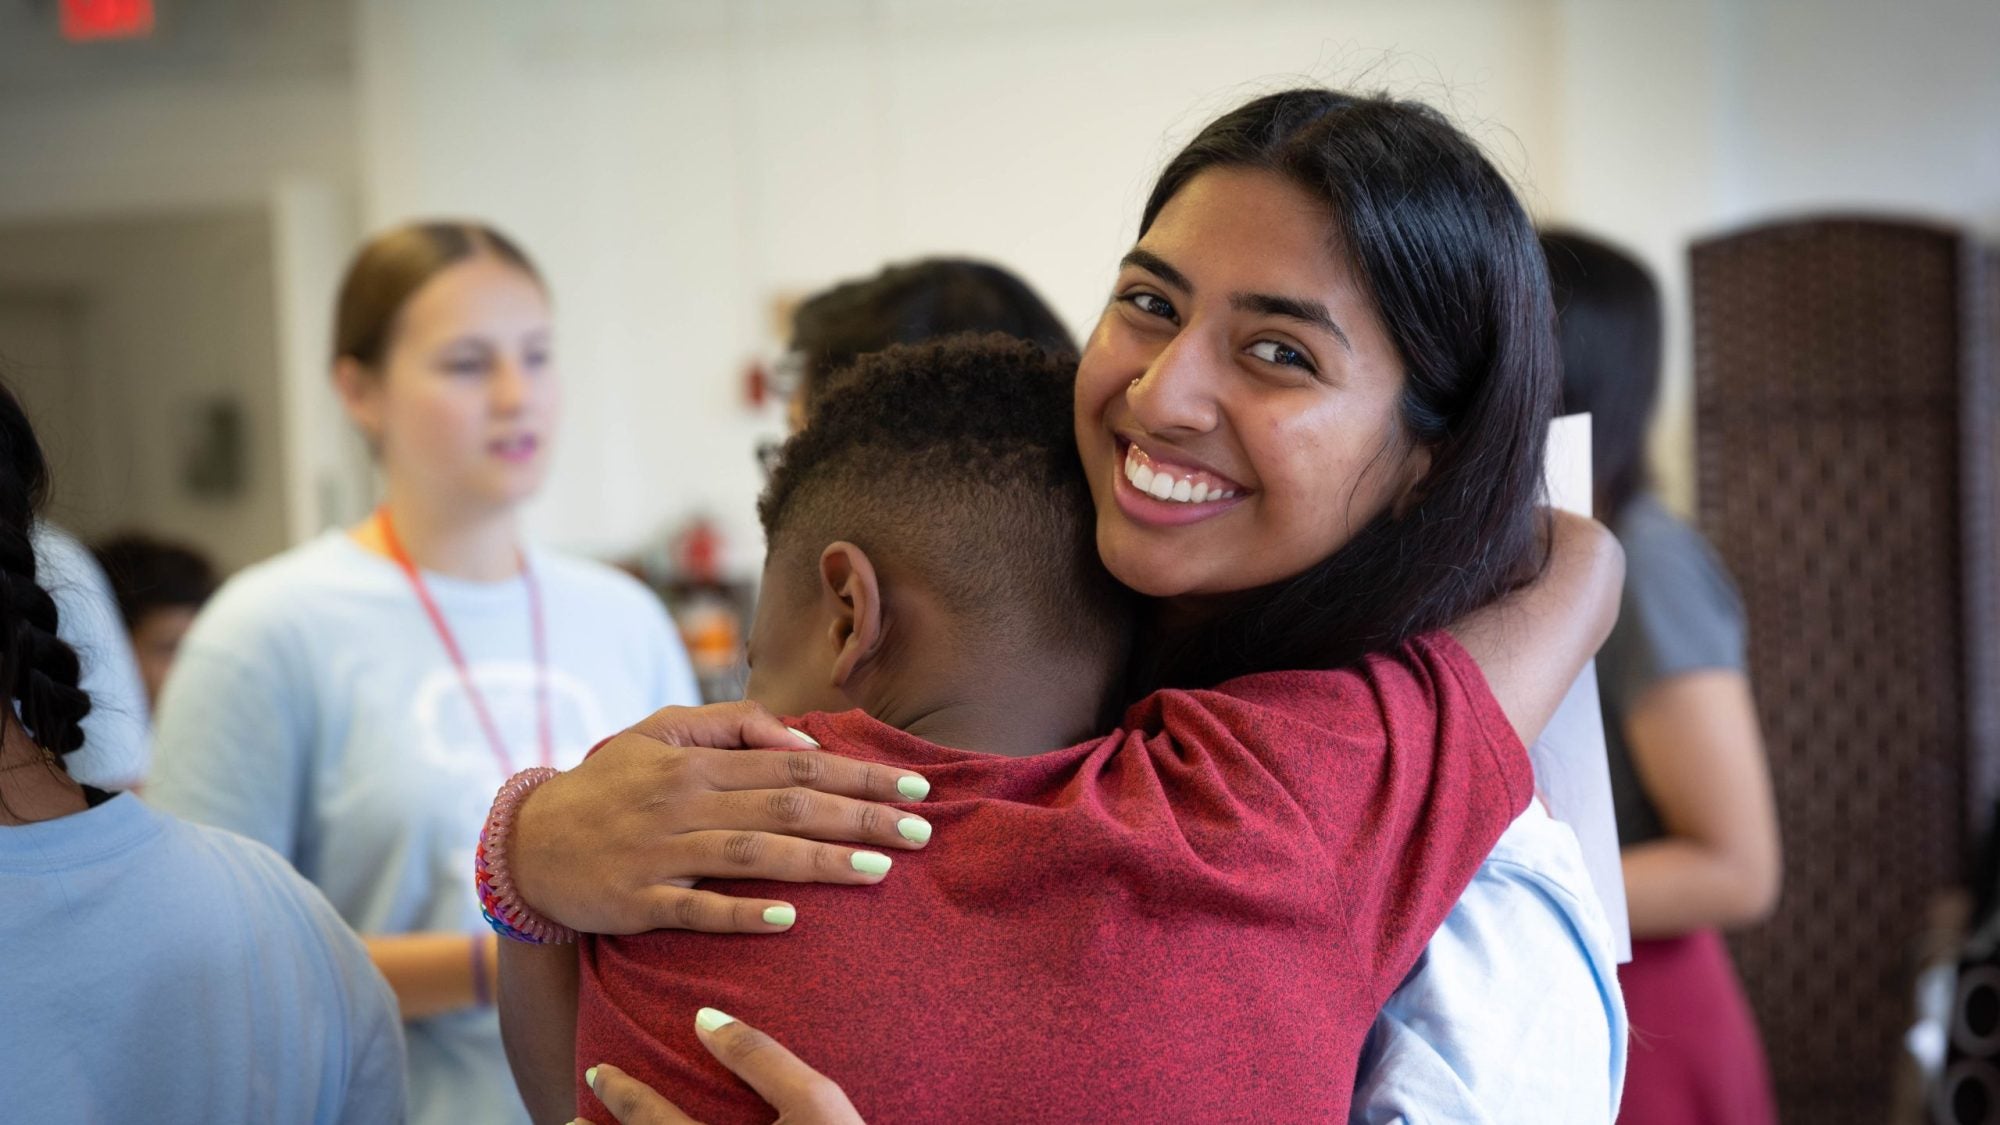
(1695,742)
(1534,643)
(435,973)
(538,990)
(611,846)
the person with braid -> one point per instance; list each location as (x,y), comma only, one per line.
(155,970)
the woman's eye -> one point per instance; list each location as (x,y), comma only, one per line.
(1152,304)
(1271,351)
(466,365)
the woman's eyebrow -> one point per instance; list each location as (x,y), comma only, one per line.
(1292,308)
(1154,264)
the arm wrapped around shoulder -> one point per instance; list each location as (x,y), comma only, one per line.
(1533,644)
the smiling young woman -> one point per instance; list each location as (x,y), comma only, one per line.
(354,702)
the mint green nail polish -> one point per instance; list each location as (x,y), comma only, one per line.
(708,1019)
(780,915)
(914,829)
(804,735)
(871,863)
(590,1078)
(912,787)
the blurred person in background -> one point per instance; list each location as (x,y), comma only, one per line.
(160,587)
(1696,821)
(155,969)
(910,303)
(355,702)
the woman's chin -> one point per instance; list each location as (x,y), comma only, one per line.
(1145,568)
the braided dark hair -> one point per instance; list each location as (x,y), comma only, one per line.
(38,670)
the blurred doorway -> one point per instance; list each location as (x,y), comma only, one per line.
(150,353)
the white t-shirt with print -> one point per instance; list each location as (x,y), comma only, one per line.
(313,708)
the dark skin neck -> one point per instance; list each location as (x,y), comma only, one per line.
(33,788)
(991,708)
(852,637)
(968,686)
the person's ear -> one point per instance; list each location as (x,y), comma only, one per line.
(361,392)
(853,596)
(1416,477)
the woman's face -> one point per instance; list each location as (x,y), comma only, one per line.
(466,401)
(1237,405)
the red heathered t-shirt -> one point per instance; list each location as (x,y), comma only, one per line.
(1196,918)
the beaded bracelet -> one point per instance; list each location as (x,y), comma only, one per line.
(498,900)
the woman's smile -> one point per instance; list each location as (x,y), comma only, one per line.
(1165,488)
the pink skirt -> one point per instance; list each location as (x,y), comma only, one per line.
(1695,1057)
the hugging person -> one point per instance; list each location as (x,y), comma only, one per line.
(1285,843)
(1336,325)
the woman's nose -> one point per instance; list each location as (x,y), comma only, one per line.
(511,386)
(1177,390)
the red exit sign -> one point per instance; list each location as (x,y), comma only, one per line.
(85,20)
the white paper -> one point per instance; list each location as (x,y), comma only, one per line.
(1570,764)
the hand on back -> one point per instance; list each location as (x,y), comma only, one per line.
(615,845)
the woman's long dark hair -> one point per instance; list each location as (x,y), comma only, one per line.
(1446,251)
(1608,317)
(38,671)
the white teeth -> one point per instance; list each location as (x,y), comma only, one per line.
(1163,486)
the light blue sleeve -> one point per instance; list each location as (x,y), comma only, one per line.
(360,1074)
(1513,1015)
(116,749)
(232,744)
(377,1082)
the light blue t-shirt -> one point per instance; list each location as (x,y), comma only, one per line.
(156,970)
(313,708)
(1513,1015)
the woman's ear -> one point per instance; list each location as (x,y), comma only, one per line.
(361,391)
(853,593)
(1416,477)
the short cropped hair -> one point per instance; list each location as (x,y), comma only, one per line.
(953,464)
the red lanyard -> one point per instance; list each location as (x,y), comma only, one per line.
(492,729)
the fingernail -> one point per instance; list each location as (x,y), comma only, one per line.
(814,741)
(708,1019)
(914,829)
(871,863)
(590,1078)
(912,787)
(780,915)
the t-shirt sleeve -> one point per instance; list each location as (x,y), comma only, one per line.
(1679,613)
(1408,771)
(355,1030)
(231,746)
(376,1081)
